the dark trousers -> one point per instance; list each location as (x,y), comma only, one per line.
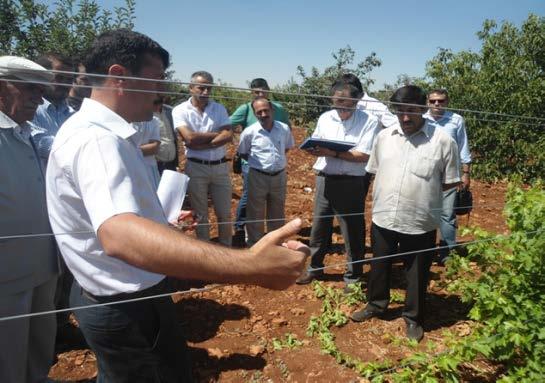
(137,341)
(417,267)
(344,197)
(171,165)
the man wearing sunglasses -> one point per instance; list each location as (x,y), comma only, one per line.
(455,126)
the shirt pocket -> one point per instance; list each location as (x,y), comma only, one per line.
(424,165)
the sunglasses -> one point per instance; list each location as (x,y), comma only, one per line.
(441,101)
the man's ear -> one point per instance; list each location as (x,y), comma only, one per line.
(117,70)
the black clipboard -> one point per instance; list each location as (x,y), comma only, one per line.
(337,146)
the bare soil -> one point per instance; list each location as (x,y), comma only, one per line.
(230,328)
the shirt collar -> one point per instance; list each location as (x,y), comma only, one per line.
(6,122)
(61,107)
(446,116)
(99,114)
(426,129)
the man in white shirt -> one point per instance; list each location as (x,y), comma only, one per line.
(264,145)
(341,182)
(369,104)
(206,129)
(116,239)
(455,126)
(29,266)
(413,163)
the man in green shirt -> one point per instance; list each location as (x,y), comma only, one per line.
(244,117)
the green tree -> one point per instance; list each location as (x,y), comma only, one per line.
(29,27)
(506,76)
(307,108)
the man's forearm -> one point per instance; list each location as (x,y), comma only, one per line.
(353,156)
(150,149)
(224,137)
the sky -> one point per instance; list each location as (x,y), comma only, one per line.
(238,40)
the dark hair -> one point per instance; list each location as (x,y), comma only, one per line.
(352,79)
(260,98)
(204,74)
(409,94)
(123,47)
(440,91)
(259,83)
(339,85)
(46,60)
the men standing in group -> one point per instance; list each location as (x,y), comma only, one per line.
(117,240)
(264,145)
(413,163)
(55,109)
(341,182)
(455,126)
(244,116)
(28,275)
(205,128)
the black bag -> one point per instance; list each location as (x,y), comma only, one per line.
(464,202)
(237,164)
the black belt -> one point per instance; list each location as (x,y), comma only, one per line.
(204,162)
(271,174)
(160,287)
(338,176)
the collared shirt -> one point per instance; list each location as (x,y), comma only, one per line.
(361,129)
(378,109)
(211,120)
(26,262)
(266,150)
(410,172)
(455,126)
(46,123)
(95,172)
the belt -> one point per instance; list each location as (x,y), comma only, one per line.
(204,162)
(271,174)
(161,286)
(338,176)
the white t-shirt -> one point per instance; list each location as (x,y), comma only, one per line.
(148,131)
(95,172)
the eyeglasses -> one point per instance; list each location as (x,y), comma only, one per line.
(440,101)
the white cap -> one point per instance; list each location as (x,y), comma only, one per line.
(23,69)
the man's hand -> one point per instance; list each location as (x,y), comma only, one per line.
(187,221)
(279,262)
(318,151)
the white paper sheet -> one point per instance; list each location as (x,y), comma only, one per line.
(171,192)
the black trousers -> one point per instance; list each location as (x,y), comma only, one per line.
(417,268)
(136,341)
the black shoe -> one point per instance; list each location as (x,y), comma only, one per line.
(414,331)
(306,278)
(364,314)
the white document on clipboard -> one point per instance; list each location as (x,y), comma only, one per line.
(171,192)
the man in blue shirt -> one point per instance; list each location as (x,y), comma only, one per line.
(455,126)
(55,109)
(244,116)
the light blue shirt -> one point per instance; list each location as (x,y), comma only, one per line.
(455,126)
(46,124)
(266,150)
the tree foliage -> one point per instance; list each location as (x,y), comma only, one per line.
(308,108)
(29,27)
(506,76)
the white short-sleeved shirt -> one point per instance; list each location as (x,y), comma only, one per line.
(378,109)
(361,129)
(94,173)
(266,150)
(211,120)
(455,126)
(148,131)
(410,172)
